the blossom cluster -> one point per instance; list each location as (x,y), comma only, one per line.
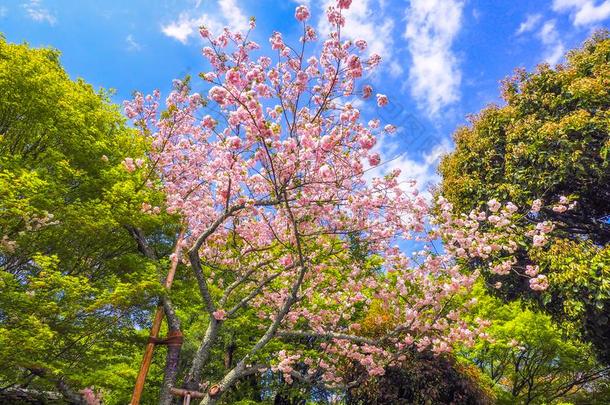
(493,235)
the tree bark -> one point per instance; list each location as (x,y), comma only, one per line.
(173,355)
(193,378)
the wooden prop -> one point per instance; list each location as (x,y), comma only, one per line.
(154,330)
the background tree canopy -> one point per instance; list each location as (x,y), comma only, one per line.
(74,289)
(551,139)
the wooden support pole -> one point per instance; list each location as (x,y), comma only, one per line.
(156,327)
(188,395)
(182,393)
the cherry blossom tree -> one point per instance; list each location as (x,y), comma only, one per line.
(269,171)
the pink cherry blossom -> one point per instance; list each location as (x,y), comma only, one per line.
(382,100)
(539,240)
(91,397)
(493,205)
(219,314)
(301,13)
(532,271)
(536,205)
(326,173)
(389,128)
(129,165)
(233,77)
(326,142)
(276,41)
(367,141)
(218,94)
(367,91)
(539,283)
(354,66)
(374,159)
(235,142)
(361,44)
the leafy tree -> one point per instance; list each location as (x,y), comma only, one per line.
(531,361)
(74,288)
(550,139)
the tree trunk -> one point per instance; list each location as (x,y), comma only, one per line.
(171,371)
(173,353)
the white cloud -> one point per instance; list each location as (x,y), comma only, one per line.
(38,13)
(3,11)
(547,33)
(132,44)
(554,47)
(365,20)
(188,23)
(235,18)
(421,168)
(395,68)
(435,76)
(476,14)
(584,12)
(184,26)
(529,24)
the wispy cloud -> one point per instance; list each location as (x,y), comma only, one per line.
(435,75)
(37,12)
(584,12)
(3,11)
(554,47)
(420,168)
(233,15)
(187,24)
(132,44)
(530,23)
(547,33)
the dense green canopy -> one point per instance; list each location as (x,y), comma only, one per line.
(550,139)
(74,288)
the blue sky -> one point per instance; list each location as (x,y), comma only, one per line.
(443,59)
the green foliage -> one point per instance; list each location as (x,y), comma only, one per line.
(74,290)
(550,139)
(529,360)
(579,292)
